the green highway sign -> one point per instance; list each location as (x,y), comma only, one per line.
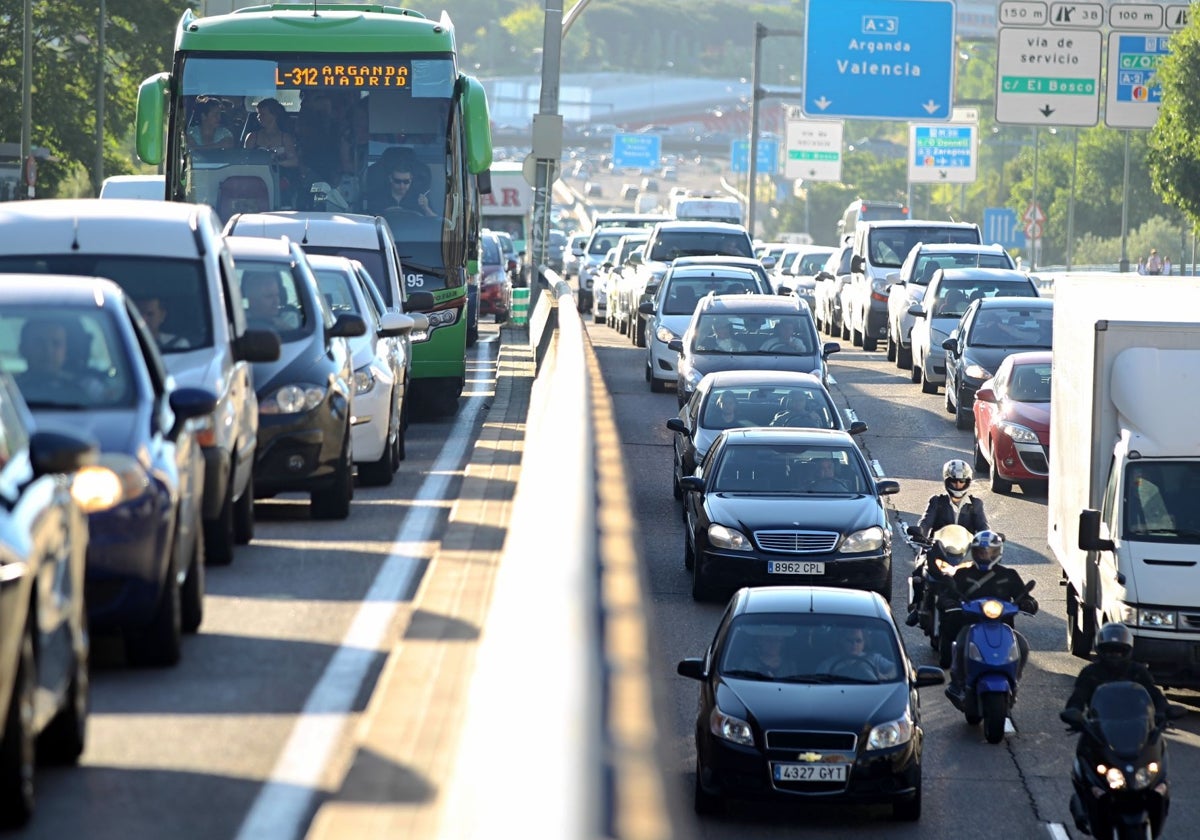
(796,154)
(1041,84)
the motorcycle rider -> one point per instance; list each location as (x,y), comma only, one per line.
(954,507)
(1114,663)
(984,578)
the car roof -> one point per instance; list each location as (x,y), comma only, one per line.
(710,270)
(1031,357)
(785,434)
(919,223)
(70,290)
(974,273)
(756,378)
(723,227)
(260,247)
(960,248)
(107,226)
(763,304)
(754,600)
(1023,302)
(351,230)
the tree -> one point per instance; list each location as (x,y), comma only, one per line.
(1174,149)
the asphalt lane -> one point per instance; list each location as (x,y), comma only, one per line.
(970,786)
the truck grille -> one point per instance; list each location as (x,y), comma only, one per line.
(797,542)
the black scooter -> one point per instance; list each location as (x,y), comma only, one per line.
(948,550)
(1120,768)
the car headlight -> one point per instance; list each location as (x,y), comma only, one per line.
(691,378)
(868,539)
(1018,433)
(728,538)
(664,335)
(292,399)
(977,372)
(730,728)
(364,380)
(891,734)
(114,479)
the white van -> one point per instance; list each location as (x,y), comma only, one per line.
(146,187)
(176,253)
(708,207)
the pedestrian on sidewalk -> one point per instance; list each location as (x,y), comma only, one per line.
(1154,263)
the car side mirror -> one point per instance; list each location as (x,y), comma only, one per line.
(950,345)
(829,348)
(928,675)
(916,311)
(986,394)
(646,308)
(691,484)
(676,345)
(857,427)
(348,325)
(190,403)
(893,277)
(693,669)
(676,425)
(887,487)
(392,324)
(768,262)
(257,346)
(60,452)
(856,264)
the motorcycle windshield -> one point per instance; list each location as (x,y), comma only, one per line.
(1124,715)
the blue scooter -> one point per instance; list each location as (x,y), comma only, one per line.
(993,665)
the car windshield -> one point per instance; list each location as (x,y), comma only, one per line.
(954,296)
(179,285)
(1160,501)
(272,300)
(810,647)
(1030,383)
(780,405)
(788,469)
(490,249)
(749,334)
(684,292)
(1023,328)
(670,245)
(888,246)
(66,358)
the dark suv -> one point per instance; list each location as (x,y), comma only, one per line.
(748,332)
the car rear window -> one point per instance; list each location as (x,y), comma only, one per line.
(888,246)
(954,296)
(927,264)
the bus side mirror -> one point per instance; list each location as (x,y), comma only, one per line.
(151,116)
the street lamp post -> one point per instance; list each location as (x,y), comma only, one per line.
(27,91)
(1033,251)
(99,176)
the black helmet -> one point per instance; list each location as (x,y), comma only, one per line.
(957,475)
(986,548)
(1114,644)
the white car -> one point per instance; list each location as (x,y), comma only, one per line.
(382,362)
(595,250)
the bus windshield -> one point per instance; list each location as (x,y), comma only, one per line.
(308,131)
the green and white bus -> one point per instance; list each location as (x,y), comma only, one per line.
(318,107)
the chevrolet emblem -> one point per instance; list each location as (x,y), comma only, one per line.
(809,756)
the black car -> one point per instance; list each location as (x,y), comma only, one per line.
(43,621)
(990,330)
(758,398)
(808,696)
(742,332)
(772,506)
(305,398)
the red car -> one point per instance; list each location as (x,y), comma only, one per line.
(1012,422)
(494,288)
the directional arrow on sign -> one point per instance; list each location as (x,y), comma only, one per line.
(931,107)
(823,103)
(1046,111)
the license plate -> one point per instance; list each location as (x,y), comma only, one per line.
(794,567)
(810,772)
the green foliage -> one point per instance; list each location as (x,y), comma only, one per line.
(1174,149)
(1158,232)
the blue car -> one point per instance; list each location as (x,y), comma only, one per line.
(85,361)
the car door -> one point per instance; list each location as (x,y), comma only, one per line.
(237,377)
(957,339)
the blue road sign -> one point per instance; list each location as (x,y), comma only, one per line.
(1001,226)
(943,147)
(767,162)
(879,59)
(637,151)
(1139,58)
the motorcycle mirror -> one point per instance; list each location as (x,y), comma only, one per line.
(1030,586)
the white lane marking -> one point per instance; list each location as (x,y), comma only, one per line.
(878,468)
(1009,729)
(1057,831)
(285,800)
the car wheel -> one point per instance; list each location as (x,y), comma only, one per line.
(927,387)
(949,402)
(904,359)
(399,451)
(914,373)
(243,514)
(219,534)
(856,337)
(891,347)
(657,385)
(706,804)
(333,502)
(844,330)
(981,464)
(379,473)
(192,597)
(63,739)
(639,337)
(869,344)
(996,482)
(908,810)
(501,316)
(18,751)
(160,643)
(963,417)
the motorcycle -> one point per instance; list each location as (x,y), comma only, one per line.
(1120,768)
(993,665)
(947,549)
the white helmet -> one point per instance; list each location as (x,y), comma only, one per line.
(957,475)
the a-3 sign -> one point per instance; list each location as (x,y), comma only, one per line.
(942,154)
(879,59)
(637,151)
(813,149)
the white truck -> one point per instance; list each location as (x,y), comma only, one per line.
(1123,518)
(509,206)
(706,207)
